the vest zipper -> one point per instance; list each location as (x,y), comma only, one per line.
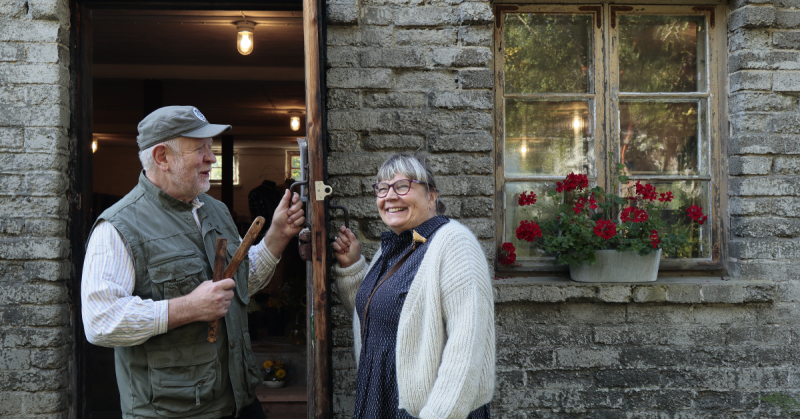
(197,392)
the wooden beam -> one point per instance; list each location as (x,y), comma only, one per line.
(196,72)
(153,92)
(320,348)
(227,171)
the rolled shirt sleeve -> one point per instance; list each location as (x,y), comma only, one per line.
(112,315)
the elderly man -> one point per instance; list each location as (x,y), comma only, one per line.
(146,289)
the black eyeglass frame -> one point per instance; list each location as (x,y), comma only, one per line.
(391,186)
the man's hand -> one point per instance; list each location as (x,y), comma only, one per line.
(287,222)
(209,301)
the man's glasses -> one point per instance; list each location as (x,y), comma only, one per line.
(401,187)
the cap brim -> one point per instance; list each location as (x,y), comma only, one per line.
(208,131)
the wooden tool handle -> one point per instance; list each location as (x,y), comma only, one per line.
(220,255)
(244,247)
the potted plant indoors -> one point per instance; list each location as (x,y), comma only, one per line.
(603,237)
(274,373)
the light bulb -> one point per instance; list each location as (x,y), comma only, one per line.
(244,40)
(576,123)
(94,146)
(294,123)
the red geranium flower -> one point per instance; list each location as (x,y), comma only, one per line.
(695,213)
(605,229)
(527,198)
(528,231)
(573,182)
(592,202)
(633,214)
(646,191)
(627,214)
(507,254)
(654,240)
(666,197)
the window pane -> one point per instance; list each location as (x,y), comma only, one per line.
(544,208)
(687,193)
(296,174)
(662,53)
(659,137)
(216,170)
(547,138)
(547,53)
(296,161)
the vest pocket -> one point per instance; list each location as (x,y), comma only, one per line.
(175,274)
(253,373)
(183,379)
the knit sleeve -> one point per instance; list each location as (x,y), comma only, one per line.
(468,311)
(348,280)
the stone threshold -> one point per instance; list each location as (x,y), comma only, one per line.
(675,290)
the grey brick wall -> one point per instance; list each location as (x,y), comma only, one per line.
(408,75)
(34,159)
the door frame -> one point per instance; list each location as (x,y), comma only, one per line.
(320,390)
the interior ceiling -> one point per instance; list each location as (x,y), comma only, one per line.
(193,54)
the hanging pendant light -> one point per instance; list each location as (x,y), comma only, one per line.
(244,38)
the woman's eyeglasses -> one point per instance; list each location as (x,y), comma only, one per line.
(401,187)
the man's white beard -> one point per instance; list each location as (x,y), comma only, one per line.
(187,183)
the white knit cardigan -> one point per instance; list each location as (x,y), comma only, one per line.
(445,354)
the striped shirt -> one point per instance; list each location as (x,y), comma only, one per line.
(112,315)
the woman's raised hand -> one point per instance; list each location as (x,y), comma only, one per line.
(346,246)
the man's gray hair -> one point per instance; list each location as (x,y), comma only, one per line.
(146,155)
(412,166)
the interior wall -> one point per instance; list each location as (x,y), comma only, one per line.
(255,166)
(116,172)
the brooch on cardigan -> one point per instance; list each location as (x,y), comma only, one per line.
(418,239)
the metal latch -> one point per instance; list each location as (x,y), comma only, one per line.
(322,190)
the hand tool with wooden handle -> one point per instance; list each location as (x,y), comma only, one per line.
(220,272)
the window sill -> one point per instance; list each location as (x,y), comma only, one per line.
(674,290)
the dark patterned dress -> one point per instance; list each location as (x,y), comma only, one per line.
(376,384)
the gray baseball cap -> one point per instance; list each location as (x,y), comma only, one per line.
(175,121)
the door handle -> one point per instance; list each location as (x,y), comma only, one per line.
(346,213)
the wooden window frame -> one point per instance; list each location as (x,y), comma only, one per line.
(289,167)
(236,178)
(604,118)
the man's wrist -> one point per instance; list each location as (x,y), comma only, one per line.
(275,242)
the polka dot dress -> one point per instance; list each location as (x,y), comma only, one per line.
(376,383)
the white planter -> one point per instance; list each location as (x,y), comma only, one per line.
(613,266)
(274,384)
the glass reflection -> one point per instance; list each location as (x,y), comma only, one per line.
(544,208)
(659,137)
(547,53)
(662,53)
(547,137)
(686,193)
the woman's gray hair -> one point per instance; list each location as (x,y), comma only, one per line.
(413,166)
(146,155)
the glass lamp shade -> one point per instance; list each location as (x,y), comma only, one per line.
(244,39)
(294,123)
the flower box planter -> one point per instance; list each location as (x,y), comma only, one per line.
(614,266)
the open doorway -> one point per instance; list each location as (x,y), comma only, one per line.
(145,59)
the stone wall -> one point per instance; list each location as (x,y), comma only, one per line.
(34,159)
(408,75)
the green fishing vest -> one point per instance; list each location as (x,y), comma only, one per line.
(180,374)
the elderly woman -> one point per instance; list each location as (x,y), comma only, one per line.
(423,312)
